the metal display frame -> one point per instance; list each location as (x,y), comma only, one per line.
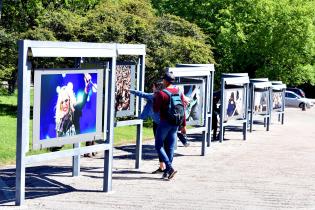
(231,81)
(279,87)
(206,73)
(264,86)
(78,50)
(135,50)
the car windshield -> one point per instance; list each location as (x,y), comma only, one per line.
(291,95)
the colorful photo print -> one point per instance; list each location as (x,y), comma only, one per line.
(234,104)
(193,97)
(260,102)
(277,100)
(67,105)
(125,80)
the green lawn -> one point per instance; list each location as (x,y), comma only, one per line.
(8,109)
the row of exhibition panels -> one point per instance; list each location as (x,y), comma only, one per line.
(238,102)
(245,101)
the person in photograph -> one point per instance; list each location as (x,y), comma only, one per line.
(263,102)
(191,98)
(69,110)
(277,100)
(231,107)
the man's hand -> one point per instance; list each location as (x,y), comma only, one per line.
(87,80)
(183,130)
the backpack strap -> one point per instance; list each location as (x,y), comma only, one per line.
(167,92)
(169,95)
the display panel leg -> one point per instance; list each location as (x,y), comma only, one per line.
(282,118)
(221,133)
(76,162)
(203,146)
(244,130)
(279,117)
(139,146)
(209,132)
(251,121)
(268,123)
(20,181)
(108,164)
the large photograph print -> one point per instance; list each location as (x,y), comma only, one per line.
(234,104)
(193,98)
(125,80)
(277,100)
(65,106)
(260,102)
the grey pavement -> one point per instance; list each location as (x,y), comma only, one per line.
(270,170)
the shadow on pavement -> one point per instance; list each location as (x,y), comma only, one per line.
(37,183)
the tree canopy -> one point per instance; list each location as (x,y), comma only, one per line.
(265,38)
(169,39)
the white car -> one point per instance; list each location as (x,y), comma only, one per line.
(294,100)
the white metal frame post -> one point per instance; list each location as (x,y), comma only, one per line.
(23,116)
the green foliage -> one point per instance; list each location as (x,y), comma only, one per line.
(169,39)
(262,37)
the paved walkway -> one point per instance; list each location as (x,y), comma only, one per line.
(271,170)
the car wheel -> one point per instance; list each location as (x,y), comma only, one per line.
(301,105)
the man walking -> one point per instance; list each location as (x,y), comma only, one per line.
(166,132)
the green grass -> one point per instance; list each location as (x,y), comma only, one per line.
(127,134)
(8,110)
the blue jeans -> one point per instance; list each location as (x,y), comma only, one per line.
(166,135)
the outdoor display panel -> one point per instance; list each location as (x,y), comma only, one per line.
(260,102)
(67,106)
(125,80)
(234,102)
(193,96)
(277,100)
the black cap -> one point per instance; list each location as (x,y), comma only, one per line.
(168,76)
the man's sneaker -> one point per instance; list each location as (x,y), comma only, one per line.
(159,170)
(171,173)
(187,144)
(165,174)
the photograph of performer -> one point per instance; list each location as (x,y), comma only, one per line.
(68,105)
(68,110)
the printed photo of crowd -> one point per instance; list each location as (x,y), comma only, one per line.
(124,77)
